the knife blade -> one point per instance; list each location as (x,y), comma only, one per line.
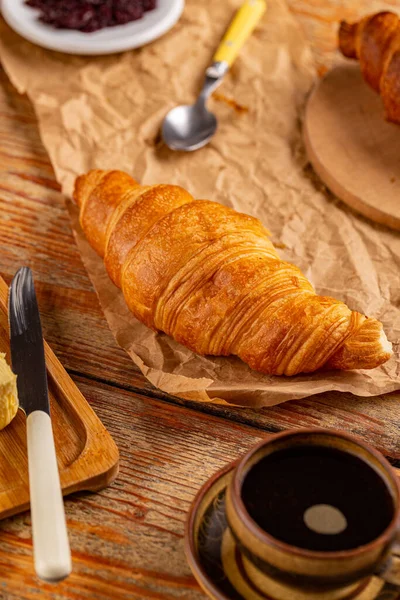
(52,555)
(27,350)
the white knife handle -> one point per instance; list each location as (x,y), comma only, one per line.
(49,531)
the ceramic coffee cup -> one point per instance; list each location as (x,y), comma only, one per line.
(314,513)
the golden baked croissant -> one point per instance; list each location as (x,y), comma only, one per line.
(210,277)
(375,41)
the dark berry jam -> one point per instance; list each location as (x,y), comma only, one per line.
(90,15)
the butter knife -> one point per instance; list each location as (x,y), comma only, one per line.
(51,549)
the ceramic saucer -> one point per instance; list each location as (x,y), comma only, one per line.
(216,561)
(24,20)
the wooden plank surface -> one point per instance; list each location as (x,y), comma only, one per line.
(127,540)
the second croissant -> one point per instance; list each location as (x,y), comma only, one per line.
(210,277)
(375,42)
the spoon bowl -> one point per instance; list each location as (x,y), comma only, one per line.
(189,127)
(192,126)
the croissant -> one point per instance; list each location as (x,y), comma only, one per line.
(210,277)
(375,42)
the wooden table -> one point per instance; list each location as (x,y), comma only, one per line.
(127,540)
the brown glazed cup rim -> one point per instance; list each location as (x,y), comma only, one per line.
(238,478)
(191,551)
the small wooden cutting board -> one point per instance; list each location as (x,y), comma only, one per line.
(87,455)
(351,146)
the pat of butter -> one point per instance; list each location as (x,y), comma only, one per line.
(8,393)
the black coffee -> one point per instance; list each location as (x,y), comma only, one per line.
(280,488)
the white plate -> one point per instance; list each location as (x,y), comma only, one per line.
(24,20)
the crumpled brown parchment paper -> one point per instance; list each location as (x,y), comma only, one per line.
(105,112)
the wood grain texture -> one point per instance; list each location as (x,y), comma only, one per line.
(35,231)
(127,540)
(87,455)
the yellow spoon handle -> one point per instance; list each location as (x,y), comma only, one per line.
(243,24)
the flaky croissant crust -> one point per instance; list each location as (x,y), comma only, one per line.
(210,277)
(375,42)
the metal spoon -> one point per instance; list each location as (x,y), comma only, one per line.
(192,126)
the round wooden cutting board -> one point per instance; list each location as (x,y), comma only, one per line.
(351,146)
